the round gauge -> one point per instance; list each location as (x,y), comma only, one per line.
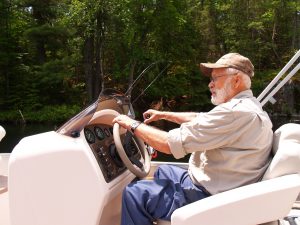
(106,131)
(99,133)
(90,137)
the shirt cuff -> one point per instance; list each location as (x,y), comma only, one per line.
(175,143)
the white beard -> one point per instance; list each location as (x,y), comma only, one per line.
(221,94)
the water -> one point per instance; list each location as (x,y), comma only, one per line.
(14,133)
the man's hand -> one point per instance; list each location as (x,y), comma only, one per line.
(124,121)
(156,138)
(152,115)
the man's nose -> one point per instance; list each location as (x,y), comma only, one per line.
(211,84)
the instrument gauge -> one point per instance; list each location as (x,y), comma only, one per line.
(99,133)
(89,135)
(106,131)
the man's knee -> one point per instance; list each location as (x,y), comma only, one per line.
(127,194)
(161,171)
(130,191)
(136,191)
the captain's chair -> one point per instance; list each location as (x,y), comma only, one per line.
(262,202)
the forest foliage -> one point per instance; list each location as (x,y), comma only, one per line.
(57,55)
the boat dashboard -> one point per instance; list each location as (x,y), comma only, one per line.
(96,123)
(101,141)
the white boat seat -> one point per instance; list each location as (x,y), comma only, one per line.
(258,203)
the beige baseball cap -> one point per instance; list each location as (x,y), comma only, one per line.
(230,60)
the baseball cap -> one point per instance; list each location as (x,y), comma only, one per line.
(230,60)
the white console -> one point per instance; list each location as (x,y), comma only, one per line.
(56,179)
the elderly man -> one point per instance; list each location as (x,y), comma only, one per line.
(230,145)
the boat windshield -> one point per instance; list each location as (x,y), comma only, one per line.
(108,99)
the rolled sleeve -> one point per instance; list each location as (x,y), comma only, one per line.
(215,129)
(175,143)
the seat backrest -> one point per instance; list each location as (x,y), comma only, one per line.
(286,151)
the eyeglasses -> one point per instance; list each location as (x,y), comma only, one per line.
(215,79)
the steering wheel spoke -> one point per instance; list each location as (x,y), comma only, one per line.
(136,162)
(134,146)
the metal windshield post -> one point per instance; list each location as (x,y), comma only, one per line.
(269,97)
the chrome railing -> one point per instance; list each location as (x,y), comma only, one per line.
(274,86)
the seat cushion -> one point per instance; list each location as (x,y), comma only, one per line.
(286,150)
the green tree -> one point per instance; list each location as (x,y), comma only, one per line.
(57,53)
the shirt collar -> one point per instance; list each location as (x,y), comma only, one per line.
(244,94)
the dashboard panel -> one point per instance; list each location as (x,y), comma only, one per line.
(101,141)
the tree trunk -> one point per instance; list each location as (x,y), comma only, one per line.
(88,56)
(296,38)
(274,34)
(41,51)
(5,48)
(131,75)
(99,78)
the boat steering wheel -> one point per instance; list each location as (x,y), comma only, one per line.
(139,168)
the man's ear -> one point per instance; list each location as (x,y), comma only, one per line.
(237,81)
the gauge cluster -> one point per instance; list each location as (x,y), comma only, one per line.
(97,133)
(100,139)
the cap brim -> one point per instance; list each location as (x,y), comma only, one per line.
(206,68)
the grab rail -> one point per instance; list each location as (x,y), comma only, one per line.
(262,97)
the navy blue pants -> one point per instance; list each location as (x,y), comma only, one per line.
(145,201)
